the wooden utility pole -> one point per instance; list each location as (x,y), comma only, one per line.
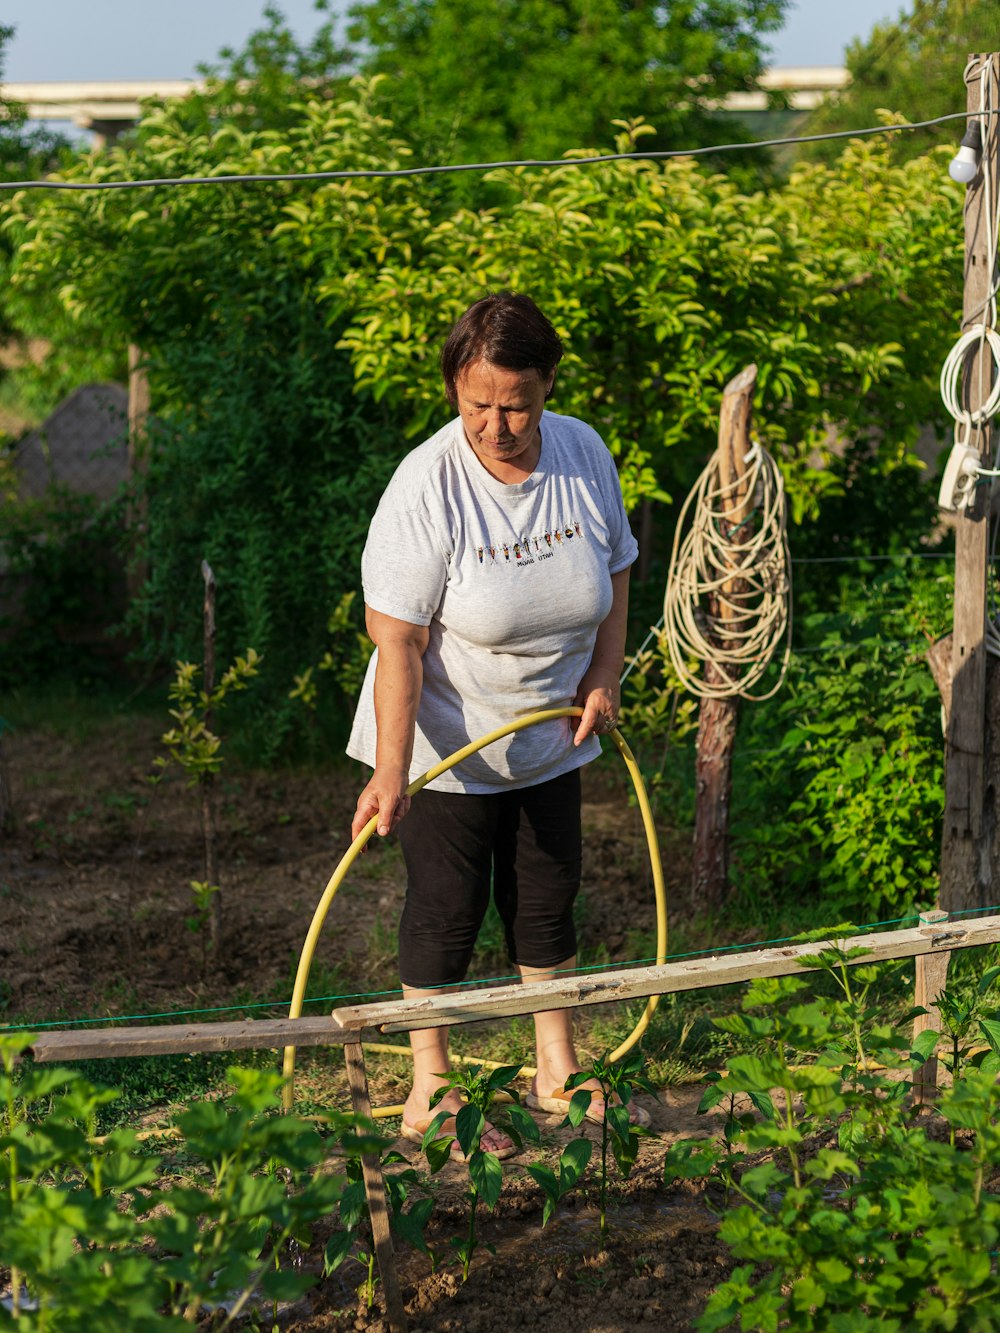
(718,716)
(968,833)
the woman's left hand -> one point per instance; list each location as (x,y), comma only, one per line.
(599,696)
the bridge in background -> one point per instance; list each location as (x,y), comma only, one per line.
(105,109)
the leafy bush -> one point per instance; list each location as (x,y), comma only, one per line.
(292,333)
(62,585)
(847,1210)
(96,1236)
(839,784)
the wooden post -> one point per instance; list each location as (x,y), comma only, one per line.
(966,851)
(138,463)
(718,717)
(371,1167)
(931,978)
(207,782)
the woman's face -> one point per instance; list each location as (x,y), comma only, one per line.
(500,411)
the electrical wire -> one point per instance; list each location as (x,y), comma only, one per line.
(391,173)
(728,599)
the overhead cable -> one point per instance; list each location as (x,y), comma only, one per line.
(389,173)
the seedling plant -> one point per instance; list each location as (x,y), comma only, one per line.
(480,1089)
(618,1082)
(354,1239)
(196,749)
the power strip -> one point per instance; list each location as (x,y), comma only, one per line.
(959,481)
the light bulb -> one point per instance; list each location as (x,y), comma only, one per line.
(964,166)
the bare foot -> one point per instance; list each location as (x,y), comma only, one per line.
(560,1097)
(417,1116)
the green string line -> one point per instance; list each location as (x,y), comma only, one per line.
(479,981)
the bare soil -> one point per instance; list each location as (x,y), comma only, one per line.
(95,917)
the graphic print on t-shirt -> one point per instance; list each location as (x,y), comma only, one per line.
(527,549)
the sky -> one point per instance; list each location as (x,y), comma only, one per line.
(139,39)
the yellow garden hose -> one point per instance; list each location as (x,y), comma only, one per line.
(349,857)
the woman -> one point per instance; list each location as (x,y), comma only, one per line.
(496,584)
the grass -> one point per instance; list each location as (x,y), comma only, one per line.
(76,708)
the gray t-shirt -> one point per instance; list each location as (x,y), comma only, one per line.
(513,581)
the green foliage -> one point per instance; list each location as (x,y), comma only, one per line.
(345,660)
(191,743)
(291,334)
(26,151)
(884,1223)
(569,67)
(657,713)
(95,1239)
(555,1185)
(841,796)
(478,1088)
(617,1083)
(912,65)
(63,585)
(354,1239)
(260,86)
(966,1010)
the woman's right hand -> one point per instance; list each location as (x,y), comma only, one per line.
(398,681)
(384,796)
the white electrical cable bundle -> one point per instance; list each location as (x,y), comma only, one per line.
(728,598)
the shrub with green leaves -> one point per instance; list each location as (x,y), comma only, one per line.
(291,335)
(61,584)
(839,778)
(97,1234)
(848,1210)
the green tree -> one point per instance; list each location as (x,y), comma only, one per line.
(532,78)
(912,66)
(292,335)
(26,151)
(260,87)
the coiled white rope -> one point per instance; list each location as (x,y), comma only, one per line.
(728,598)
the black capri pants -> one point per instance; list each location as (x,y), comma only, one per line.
(527,839)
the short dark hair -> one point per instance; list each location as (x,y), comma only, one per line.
(505,329)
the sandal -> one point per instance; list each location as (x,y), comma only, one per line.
(558,1104)
(415,1134)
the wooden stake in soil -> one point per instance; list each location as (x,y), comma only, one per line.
(375,1193)
(718,717)
(207,780)
(138,463)
(968,833)
(932,975)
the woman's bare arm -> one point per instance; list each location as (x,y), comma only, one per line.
(398,682)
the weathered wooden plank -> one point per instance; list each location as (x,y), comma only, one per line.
(368,1022)
(371,1167)
(174,1038)
(641,982)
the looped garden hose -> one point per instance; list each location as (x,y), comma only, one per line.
(349,857)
